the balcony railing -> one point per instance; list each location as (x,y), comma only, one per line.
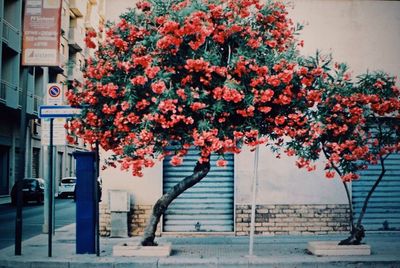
(11,35)
(37,101)
(75,73)
(65,25)
(20,98)
(3,93)
(92,22)
(102,9)
(9,94)
(76,36)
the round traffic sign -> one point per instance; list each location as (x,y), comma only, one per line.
(54,91)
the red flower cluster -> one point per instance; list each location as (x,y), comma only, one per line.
(211,75)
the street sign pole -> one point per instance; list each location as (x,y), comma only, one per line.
(51,197)
(253,203)
(52,112)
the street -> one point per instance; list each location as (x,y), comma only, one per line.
(32,220)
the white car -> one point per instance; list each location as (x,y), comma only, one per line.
(67,187)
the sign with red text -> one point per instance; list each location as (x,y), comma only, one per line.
(41,34)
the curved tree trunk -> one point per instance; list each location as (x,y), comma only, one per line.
(200,171)
(353,231)
(358,233)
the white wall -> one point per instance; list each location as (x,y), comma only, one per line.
(364,34)
(281,182)
(144,190)
(115,7)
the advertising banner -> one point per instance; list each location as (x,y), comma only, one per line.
(41,34)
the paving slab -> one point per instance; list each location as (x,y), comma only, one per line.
(216,251)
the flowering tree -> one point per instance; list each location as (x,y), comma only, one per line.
(213,74)
(355,124)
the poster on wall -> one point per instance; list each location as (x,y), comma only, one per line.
(41,34)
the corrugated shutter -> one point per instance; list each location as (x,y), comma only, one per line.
(383,211)
(207,206)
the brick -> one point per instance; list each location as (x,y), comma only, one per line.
(262,229)
(275,228)
(268,224)
(262,210)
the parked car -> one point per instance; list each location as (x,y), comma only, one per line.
(32,190)
(67,187)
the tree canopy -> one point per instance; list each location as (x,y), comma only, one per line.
(213,74)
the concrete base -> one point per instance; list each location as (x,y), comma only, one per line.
(331,248)
(119,224)
(135,250)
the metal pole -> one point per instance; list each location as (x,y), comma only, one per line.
(50,218)
(45,161)
(253,203)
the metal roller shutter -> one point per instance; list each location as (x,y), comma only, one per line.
(383,211)
(207,206)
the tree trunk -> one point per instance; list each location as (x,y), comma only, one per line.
(357,233)
(200,171)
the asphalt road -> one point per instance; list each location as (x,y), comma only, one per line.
(32,219)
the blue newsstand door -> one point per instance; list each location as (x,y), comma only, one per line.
(383,210)
(207,206)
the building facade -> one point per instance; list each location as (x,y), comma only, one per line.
(363,34)
(77,17)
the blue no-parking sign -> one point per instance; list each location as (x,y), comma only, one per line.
(54,94)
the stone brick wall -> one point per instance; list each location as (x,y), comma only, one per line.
(270,219)
(105,220)
(137,220)
(293,219)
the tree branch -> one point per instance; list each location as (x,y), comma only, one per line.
(351,217)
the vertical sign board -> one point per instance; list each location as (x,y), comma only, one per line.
(59,132)
(41,34)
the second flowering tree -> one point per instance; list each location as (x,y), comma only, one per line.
(355,125)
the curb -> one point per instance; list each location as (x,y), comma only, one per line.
(193,262)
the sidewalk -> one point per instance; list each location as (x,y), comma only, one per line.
(221,251)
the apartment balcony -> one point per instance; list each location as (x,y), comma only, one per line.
(75,73)
(65,26)
(78,7)
(37,101)
(76,36)
(62,63)
(102,9)
(11,36)
(9,94)
(92,22)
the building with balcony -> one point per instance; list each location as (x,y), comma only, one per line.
(23,88)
